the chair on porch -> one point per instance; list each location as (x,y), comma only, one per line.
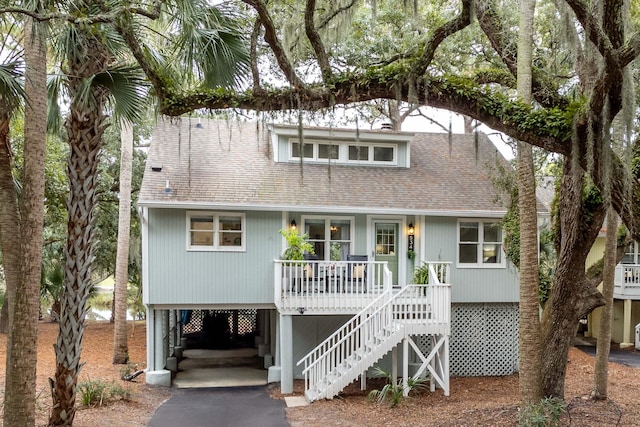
(314,278)
(356,278)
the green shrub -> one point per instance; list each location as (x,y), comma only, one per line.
(545,413)
(99,392)
(394,392)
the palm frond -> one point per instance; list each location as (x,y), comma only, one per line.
(55,89)
(128,87)
(11,85)
(209,43)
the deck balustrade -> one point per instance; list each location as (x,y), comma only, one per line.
(627,282)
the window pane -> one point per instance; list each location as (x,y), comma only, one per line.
(308,150)
(340,230)
(201,231)
(314,228)
(492,232)
(230,223)
(468,253)
(326,151)
(357,152)
(202,223)
(385,239)
(383,154)
(201,238)
(629,255)
(230,239)
(491,253)
(468,231)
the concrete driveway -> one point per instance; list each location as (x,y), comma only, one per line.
(220,407)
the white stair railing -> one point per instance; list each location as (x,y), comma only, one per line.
(365,339)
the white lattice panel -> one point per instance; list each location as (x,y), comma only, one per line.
(484,339)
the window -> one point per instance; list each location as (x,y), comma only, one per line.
(331,237)
(480,244)
(215,231)
(341,152)
(631,255)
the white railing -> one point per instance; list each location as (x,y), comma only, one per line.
(328,285)
(627,281)
(439,272)
(418,309)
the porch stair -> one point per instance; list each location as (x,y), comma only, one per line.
(372,333)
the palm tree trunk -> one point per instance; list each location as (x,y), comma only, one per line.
(85,125)
(604,334)
(20,385)
(120,346)
(529,326)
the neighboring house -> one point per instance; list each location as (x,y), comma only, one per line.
(626,295)
(216,194)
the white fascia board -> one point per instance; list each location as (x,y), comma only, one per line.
(347,134)
(329,209)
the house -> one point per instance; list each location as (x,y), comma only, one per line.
(626,296)
(375,204)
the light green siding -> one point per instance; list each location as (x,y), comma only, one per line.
(468,284)
(178,276)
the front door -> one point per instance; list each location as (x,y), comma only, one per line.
(387,246)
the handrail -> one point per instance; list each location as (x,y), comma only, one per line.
(351,324)
(414,306)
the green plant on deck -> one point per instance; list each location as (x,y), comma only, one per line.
(297,244)
(545,413)
(421,275)
(394,392)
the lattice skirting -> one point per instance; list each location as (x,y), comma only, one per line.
(484,339)
(220,328)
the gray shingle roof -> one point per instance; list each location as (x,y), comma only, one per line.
(230,164)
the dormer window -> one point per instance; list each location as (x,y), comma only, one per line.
(364,153)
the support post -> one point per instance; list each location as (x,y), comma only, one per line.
(151,314)
(405,366)
(394,365)
(158,347)
(286,354)
(627,334)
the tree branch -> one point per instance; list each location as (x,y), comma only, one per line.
(271,38)
(630,51)
(458,23)
(314,39)
(593,30)
(543,89)
(255,72)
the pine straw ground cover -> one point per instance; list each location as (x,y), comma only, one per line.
(482,401)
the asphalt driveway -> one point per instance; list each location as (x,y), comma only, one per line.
(624,357)
(220,407)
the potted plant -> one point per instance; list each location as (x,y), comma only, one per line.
(297,244)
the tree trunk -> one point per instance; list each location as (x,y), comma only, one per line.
(120,346)
(571,297)
(604,334)
(529,326)
(9,222)
(85,126)
(20,385)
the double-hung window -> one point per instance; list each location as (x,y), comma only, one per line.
(631,255)
(216,231)
(480,243)
(331,237)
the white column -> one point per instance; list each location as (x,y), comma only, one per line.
(158,345)
(627,333)
(151,313)
(286,354)
(405,366)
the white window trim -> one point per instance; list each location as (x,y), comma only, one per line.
(478,263)
(327,219)
(343,152)
(215,247)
